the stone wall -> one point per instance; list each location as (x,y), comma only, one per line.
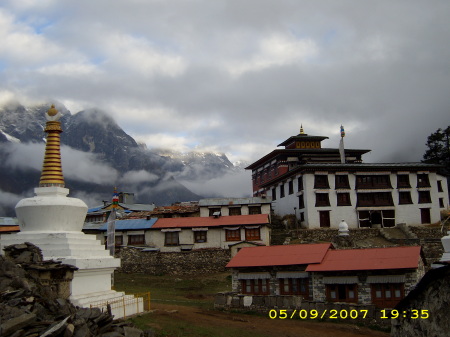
(201,261)
(327,234)
(276,306)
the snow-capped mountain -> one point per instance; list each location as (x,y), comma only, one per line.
(97,155)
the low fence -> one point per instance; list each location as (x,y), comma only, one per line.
(125,306)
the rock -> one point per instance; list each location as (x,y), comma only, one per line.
(132,332)
(69,330)
(16,323)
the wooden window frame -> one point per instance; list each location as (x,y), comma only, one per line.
(171,239)
(391,293)
(233,211)
(291,187)
(294,287)
(423,180)
(252,234)
(321,181)
(424,197)
(341,181)
(344,201)
(373,181)
(403,181)
(255,287)
(200,236)
(136,239)
(404,198)
(322,200)
(230,234)
(338,289)
(254,210)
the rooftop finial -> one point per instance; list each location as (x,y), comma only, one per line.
(301,129)
(52,174)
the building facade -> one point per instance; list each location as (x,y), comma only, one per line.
(316,272)
(314,184)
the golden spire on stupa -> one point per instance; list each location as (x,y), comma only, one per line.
(52,174)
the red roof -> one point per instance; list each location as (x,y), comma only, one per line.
(234,220)
(283,255)
(7,229)
(369,259)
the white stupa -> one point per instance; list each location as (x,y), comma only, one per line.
(53,222)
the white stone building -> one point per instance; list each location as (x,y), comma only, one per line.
(311,182)
(235,206)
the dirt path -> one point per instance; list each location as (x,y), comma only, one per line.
(262,325)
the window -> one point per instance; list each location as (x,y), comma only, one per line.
(404,198)
(343,199)
(441,202)
(171,239)
(302,216)
(300,184)
(322,200)
(213,210)
(373,181)
(422,180)
(295,286)
(136,239)
(424,197)
(232,234)
(388,217)
(341,181)
(234,211)
(374,199)
(321,181)
(387,295)
(200,236)
(118,240)
(439,186)
(342,293)
(282,190)
(255,287)
(252,234)
(301,201)
(403,181)
(274,194)
(364,219)
(254,209)
(291,187)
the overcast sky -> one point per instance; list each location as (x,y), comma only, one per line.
(238,76)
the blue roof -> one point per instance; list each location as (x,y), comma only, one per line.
(95,209)
(131,224)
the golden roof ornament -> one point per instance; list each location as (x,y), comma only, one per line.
(52,174)
(301,129)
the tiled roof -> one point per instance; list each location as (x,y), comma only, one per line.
(369,259)
(235,220)
(283,255)
(131,224)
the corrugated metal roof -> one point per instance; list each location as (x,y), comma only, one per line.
(233,201)
(95,209)
(369,259)
(283,255)
(131,224)
(255,219)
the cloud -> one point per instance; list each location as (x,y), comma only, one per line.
(233,184)
(77,165)
(136,177)
(239,77)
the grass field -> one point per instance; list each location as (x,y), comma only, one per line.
(193,290)
(183,306)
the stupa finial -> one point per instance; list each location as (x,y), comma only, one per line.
(52,174)
(301,129)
